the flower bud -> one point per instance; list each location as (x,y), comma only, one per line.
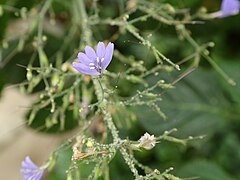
(147,141)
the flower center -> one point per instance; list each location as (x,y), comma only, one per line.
(97,64)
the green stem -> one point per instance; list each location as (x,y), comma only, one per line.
(219,70)
(100,84)
(103,103)
(86,32)
(209,59)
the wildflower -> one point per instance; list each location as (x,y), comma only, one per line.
(94,63)
(228,8)
(147,141)
(30,170)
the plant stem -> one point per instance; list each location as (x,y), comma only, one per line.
(99,87)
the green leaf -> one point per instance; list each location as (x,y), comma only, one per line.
(204,170)
(195,107)
(232,69)
(62,164)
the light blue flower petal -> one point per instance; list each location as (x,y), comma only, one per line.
(28,176)
(101,50)
(90,53)
(84,69)
(230,7)
(28,164)
(30,170)
(29,161)
(84,59)
(108,55)
(27,171)
(38,175)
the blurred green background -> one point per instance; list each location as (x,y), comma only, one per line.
(202,103)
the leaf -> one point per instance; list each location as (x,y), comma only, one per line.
(62,164)
(203,169)
(232,69)
(228,153)
(194,107)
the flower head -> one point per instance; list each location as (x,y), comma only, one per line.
(30,170)
(228,8)
(147,141)
(94,63)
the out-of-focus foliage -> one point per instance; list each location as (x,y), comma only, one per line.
(36,51)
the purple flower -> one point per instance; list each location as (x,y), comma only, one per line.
(228,8)
(30,170)
(94,63)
